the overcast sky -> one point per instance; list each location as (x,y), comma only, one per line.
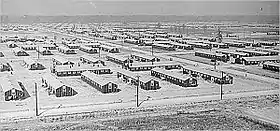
(137,7)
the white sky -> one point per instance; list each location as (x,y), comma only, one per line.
(136,7)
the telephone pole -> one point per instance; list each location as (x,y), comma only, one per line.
(152,54)
(137,92)
(222,80)
(36,100)
(38,50)
(99,52)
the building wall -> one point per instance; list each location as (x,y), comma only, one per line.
(18,95)
(269,67)
(101,88)
(36,66)
(107,89)
(65,91)
(151,85)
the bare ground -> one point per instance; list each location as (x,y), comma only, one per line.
(207,115)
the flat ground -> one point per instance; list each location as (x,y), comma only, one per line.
(229,114)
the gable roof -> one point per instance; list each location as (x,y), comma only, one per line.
(144,56)
(262,58)
(91,58)
(61,59)
(118,57)
(7,84)
(65,68)
(148,64)
(203,71)
(102,80)
(171,73)
(272,64)
(55,83)
(143,78)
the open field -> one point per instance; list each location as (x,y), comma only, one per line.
(226,115)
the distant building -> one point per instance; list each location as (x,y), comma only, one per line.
(44,51)
(119,59)
(66,50)
(11,44)
(28,47)
(175,78)
(32,65)
(271,66)
(5,65)
(88,49)
(19,52)
(1,54)
(208,75)
(259,59)
(91,60)
(145,58)
(69,70)
(58,60)
(145,82)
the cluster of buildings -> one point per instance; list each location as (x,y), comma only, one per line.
(144,71)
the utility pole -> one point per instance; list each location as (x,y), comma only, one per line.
(36,100)
(152,54)
(38,51)
(222,80)
(137,92)
(215,60)
(99,52)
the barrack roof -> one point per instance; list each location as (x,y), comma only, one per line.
(55,83)
(251,51)
(8,84)
(100,79)
(91,58)
(262,58)
(272,64)
(171,73)
(148,64)
(231,52)
(144,56)
(203,71)
(119,57)
(143,78)
(65,68)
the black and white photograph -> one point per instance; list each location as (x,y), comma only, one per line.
(139,65)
